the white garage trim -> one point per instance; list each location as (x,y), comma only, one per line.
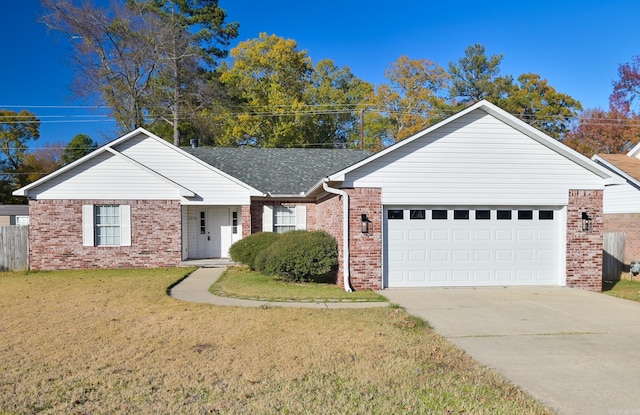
(430,246)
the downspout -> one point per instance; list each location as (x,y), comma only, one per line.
(345,233)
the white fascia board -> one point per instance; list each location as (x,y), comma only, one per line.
(621,175)
(183,191)
(508,119)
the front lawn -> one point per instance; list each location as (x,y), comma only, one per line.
(241,282)
(629,290)
(113,342)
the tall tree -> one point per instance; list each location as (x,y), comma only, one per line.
(269,75)
(599,131)
(413,98)
(626,89)
(17,129)
(190,37)
(112,57)
(78,147)
(333,95)
(476,76)
(539,104)
(146,59)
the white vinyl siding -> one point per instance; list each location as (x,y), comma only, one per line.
(168,172)
(281,219)
(106,225)
(622,198)
(213,188)
(477,160)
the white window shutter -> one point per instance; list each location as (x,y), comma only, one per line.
(301,217)
(87,225)
(125,225)
(267,218)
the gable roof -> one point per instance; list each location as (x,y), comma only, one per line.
(278,171)
(110,148)
(509,120)
(622,164)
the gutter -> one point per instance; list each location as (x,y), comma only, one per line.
(345,233)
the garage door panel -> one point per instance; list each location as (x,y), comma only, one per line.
(464,251)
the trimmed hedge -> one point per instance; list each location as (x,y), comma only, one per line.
(299,256)
(246,249)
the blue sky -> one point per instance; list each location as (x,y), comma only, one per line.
(576,46)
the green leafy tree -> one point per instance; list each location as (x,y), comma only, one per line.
(269,75)
(17,129)
(539,104)
(78,147)
(413,99)
(476,76)
(334,95)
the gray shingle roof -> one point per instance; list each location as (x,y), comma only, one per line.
(279,171)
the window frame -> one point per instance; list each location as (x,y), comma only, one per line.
(90,224)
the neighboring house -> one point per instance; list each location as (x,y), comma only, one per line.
(622,202)
(479,199)
(14,215)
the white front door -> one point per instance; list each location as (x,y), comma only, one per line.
(219,232)
(210,231)
(429,246)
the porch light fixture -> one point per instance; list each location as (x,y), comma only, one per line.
(365,223)
(587,225)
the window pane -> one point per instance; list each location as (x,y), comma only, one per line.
(395,214)
(483,214)
(525,214)
(284,219)
(503,215)
(461,214)
(545,215)
(416,214)
(107,225)
(439,214)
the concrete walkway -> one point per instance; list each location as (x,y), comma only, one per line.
(576,351)
(195,289)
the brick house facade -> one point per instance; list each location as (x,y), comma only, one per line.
(191,203)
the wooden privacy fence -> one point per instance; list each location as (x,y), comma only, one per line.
(14,248)
(613,255)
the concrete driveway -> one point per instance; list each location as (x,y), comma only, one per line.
(576,351)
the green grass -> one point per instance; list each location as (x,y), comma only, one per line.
(626,289)
(240,282)
(113,342)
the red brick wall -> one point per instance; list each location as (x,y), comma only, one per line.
(55,236)
(584,249)
(629,224)
(328,217)
(245,219)
(365,249)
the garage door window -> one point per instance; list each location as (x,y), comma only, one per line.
(417,214)
(483,214)
(545,214)
(503,215)
(439,214)
(461,214)
(525,215)
(395,214)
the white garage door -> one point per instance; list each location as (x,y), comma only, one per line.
(461,246)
